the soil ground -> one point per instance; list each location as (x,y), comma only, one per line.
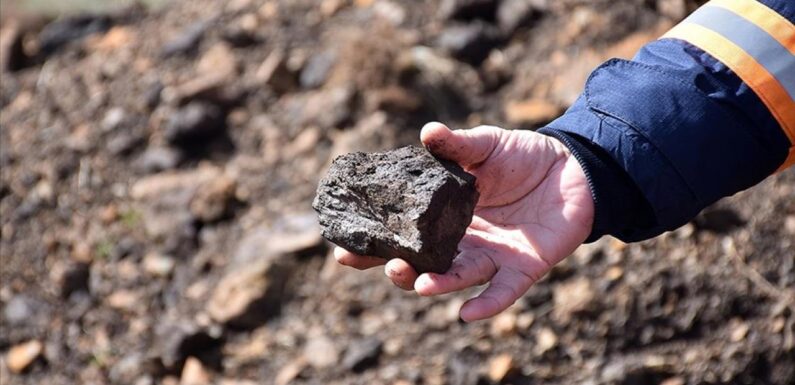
(158,168)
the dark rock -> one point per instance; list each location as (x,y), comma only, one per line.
(275,73)
(186,42)
(151,96)
(513,14)
(398,204)
(468,9)
(470,43)
(75,279)
(317,69)
(460,368)
(12,53)
(362,355)
(71,28)
(239,37)
(194,122)
(125,247)
(179,340)
(156,159)
(124,143)
(719,220)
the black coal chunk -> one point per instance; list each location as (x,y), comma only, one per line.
(403,203)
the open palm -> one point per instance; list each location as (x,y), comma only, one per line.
(535,208)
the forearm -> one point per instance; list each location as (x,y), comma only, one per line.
(667,134)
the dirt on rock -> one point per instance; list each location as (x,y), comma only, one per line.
(157,168)
(403,203)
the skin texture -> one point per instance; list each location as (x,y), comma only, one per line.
(535,208)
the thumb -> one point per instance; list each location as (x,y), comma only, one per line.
(465,147)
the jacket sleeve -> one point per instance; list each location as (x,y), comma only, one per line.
(706,111)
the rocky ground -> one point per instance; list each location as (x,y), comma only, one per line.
(158,168)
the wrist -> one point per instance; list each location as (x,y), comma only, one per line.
(620,209)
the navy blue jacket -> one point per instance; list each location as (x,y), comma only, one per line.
(677,128)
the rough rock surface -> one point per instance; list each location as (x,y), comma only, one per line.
(403,203)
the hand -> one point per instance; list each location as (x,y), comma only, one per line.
(535,208)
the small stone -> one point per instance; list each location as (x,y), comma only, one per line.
(546,340)
(500,367)
(212,202)
(504,324)
(296,234)
(178,340)
(326,108)
(71,28)
(720,220)
(614,273)
(329,7)
(524,321)
(208,87)
(194,122)
(81,251)
(470,43)
(317,69)
(193,373)
(219,61)
(674,381)
(72,278)
(275,73)
(12,53)
(513,14)
(123,143)
(124,300)
(158,264)
(21,356)
(19,309)
(390,11)
(393,98)
(531,112)
(572,297)
(739,330)
(655,362)
(156,159)
(321,353)
(186,42)
(789,224)
(113,119)
(362,355)
(249,295)
(399,204)
(241,35)
(152,95)
(778,325)
(673,9)
(114,39)
(614,372)
(290,371)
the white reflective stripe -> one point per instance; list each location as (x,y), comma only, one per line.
(755,41)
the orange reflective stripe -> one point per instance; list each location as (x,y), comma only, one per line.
(771,21)
(769,90)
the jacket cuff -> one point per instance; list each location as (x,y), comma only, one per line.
(619,206)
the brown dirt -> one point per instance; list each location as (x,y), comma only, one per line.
(104,255)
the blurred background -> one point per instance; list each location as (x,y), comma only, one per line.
(159,159)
